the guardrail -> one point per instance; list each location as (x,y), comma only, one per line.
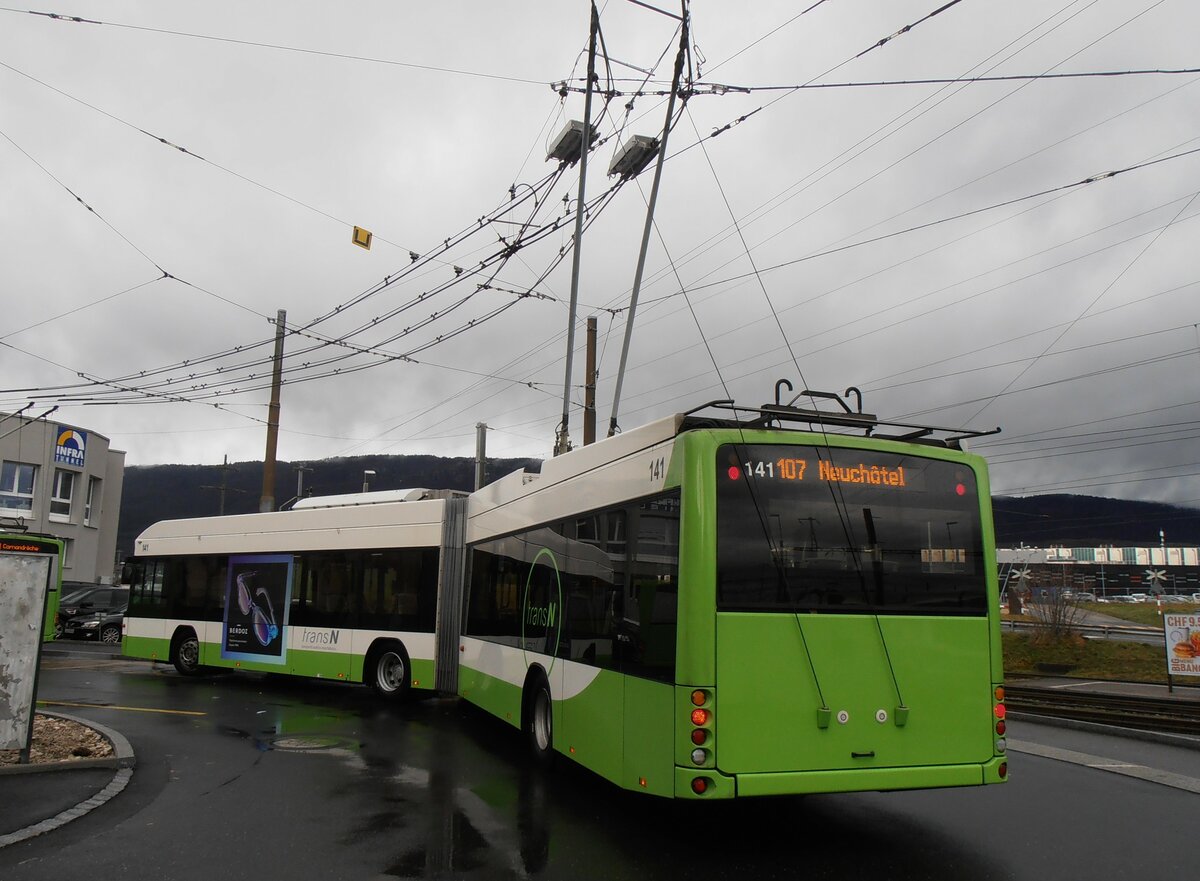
(1101,630)
(1143,713)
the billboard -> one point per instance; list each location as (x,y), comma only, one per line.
(258,597)
(1183,644)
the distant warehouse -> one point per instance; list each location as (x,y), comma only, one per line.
(65,481)
(1103,570)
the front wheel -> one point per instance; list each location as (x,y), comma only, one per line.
(110,635)
(389,675)
(187,655)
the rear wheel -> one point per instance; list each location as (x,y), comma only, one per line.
(539,721)
(389,672)
(186,656)
(111,634)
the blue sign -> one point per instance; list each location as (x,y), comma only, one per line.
(70,446)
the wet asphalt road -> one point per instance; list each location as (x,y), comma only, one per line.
(260,777)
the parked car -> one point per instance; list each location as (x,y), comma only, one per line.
(1083,597)
(1119,598)
(103,626)
(97,598)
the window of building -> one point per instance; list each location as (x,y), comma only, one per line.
(91,504)
(68,552)
(60,498)
(17,481)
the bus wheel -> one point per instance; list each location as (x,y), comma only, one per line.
(389,672)
(539,721)
(186,656)
(110,635)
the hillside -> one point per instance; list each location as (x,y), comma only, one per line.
(162,492)
(166,492)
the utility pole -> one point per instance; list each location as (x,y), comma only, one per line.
(641,264)
(562,443)
(589,389)
(266,502)
(480,453)
(223,488)
(300,471)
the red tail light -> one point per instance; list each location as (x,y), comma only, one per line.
(700,785)
(700,717)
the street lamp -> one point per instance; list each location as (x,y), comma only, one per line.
(367,475)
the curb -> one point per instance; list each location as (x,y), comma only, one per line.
(1163,737)
(122,760)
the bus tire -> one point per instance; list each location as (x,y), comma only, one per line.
(537,720)
(388,671)
(185,653)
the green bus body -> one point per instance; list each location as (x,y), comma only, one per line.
(712,611)
(798,701)
(21,543)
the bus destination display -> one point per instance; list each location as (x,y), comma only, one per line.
(786,468)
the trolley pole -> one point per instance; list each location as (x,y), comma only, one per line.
(641,263)
(267,500)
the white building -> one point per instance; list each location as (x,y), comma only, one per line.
(62,480)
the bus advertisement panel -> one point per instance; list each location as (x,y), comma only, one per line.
(259,588)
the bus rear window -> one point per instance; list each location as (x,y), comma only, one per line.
(805,529)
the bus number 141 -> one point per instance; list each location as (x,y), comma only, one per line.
(784,469)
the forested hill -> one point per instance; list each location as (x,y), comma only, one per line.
(169,492)
(164,492)
(1091,521)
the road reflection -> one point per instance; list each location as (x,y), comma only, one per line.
(435,788)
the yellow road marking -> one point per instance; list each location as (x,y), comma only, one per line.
(130,709)
(87,665)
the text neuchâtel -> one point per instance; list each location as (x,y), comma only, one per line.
(876,475)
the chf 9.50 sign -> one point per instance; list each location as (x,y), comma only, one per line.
(1183,644)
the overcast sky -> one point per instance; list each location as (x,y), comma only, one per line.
(1067,315)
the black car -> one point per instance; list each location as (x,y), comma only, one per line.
(103,626)
(88,601)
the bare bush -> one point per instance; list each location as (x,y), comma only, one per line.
(1057,616)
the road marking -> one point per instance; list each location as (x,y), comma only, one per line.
(129,709)
(1141,772)
(1078,684)
(86,665)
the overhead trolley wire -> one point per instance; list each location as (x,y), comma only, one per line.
(343,56)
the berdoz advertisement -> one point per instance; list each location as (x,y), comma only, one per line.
(257,600)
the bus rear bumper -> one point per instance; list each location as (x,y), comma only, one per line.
(862,780)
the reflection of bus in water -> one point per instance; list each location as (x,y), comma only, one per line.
(705,607)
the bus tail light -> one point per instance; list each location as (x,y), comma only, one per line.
(1003,770)
(700,716)
(699,785)
(699,735)
(1001,727)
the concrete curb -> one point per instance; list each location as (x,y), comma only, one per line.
(1164,737)
(122,760)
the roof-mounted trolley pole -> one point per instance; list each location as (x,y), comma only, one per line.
(641,264)
(562,443)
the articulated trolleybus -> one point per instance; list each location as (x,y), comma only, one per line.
(716,604)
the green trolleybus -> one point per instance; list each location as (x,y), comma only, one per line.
(715,607)
(24,544)
(728,602)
